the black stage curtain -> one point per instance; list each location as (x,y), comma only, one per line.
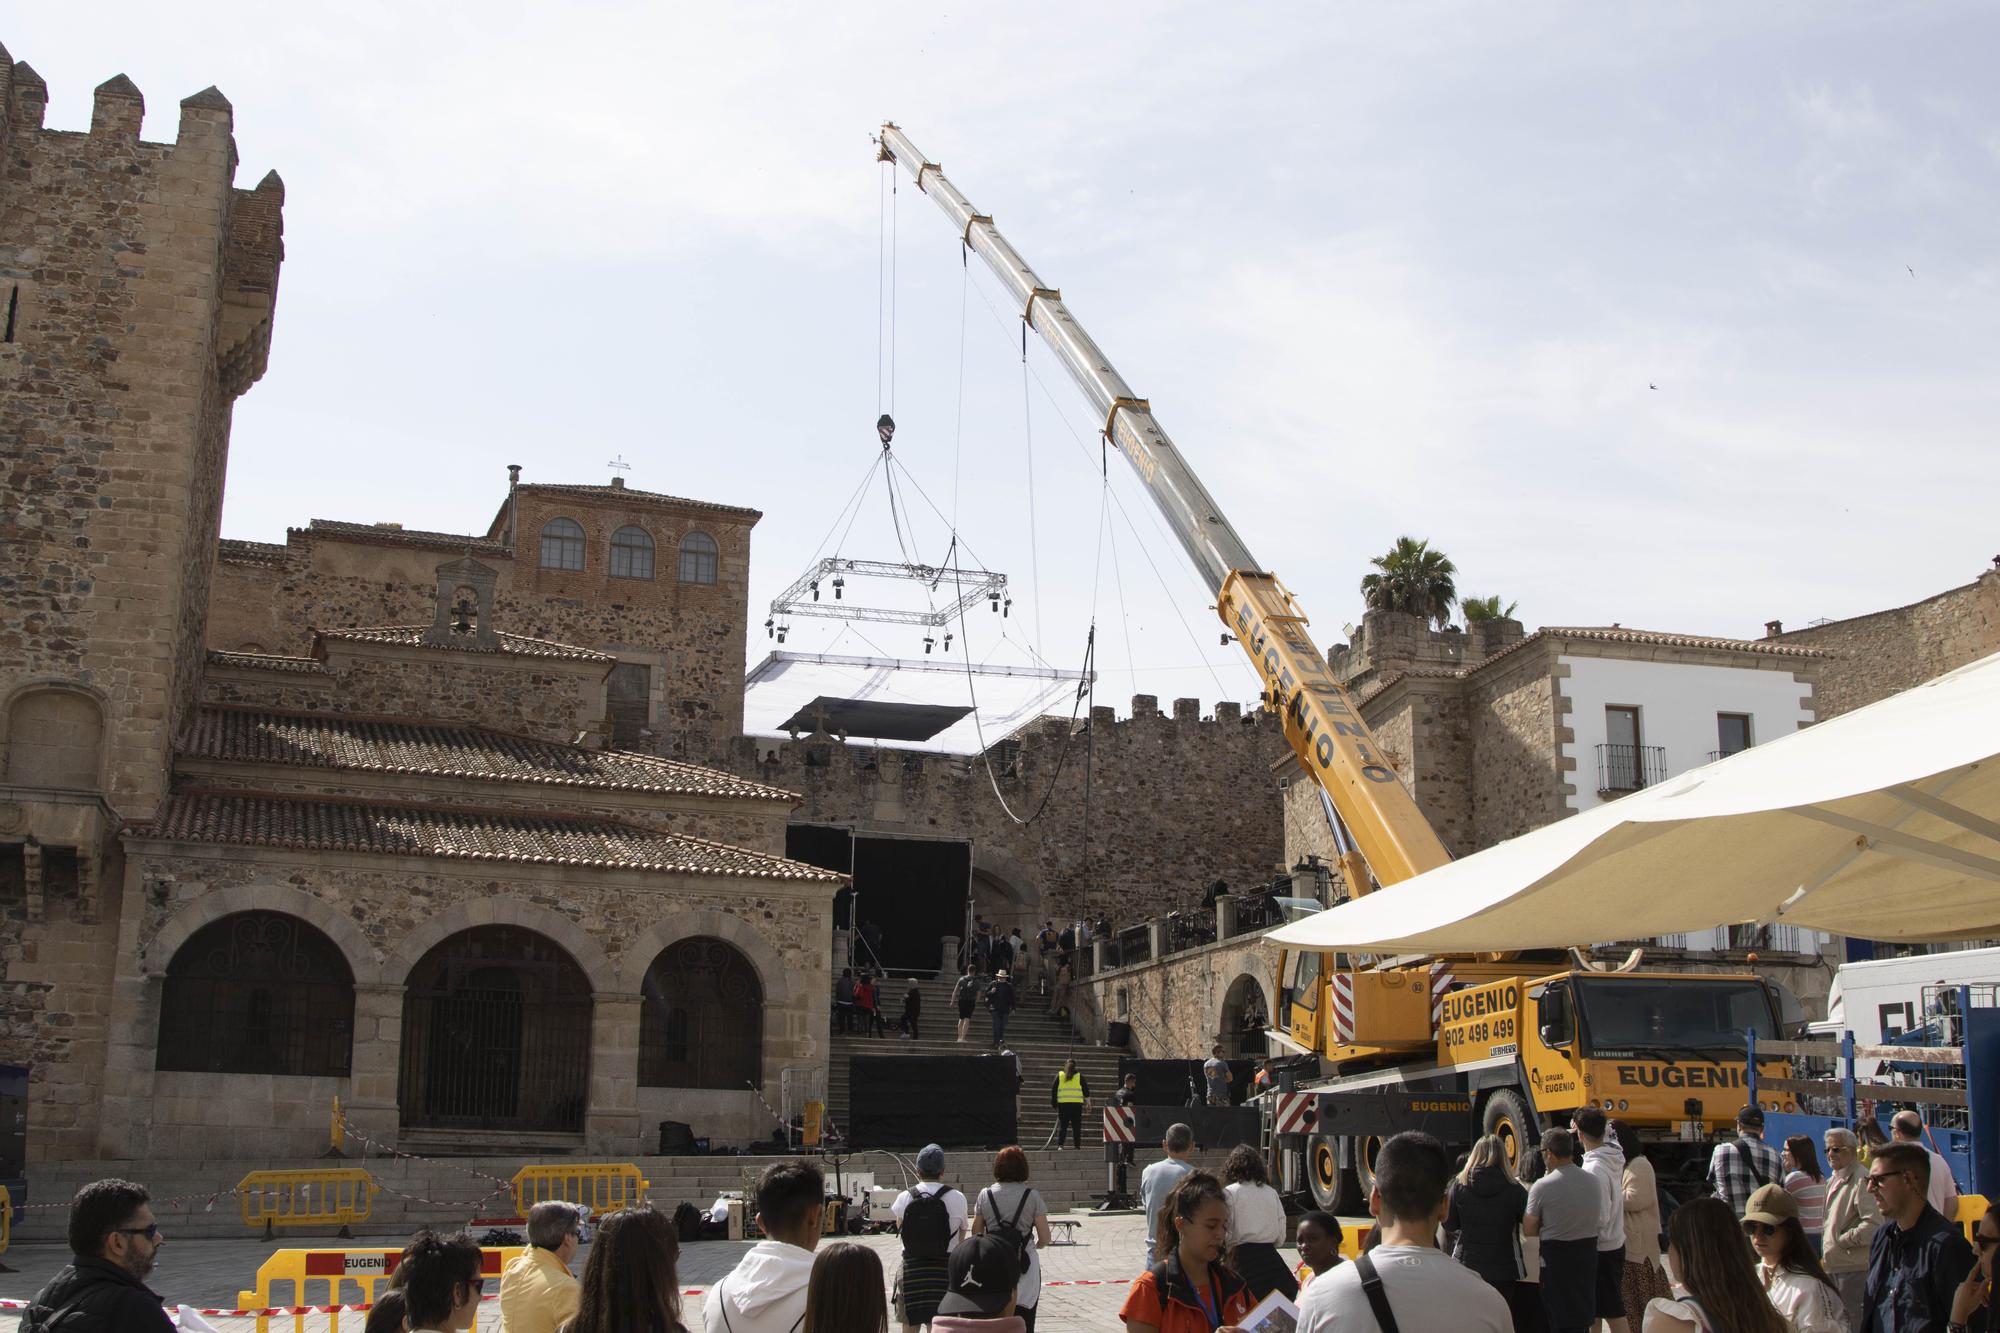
(957,1101)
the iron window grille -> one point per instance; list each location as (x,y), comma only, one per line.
(496,1035)
(257,993)
(701,1018)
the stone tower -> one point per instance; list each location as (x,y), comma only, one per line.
(136,293)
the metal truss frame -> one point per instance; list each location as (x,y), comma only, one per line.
(807,595)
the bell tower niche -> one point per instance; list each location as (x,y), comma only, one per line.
(464,616)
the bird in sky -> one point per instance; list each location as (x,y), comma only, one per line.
(1652,386)
(1913,272)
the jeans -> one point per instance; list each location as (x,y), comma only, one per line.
(1000,1026)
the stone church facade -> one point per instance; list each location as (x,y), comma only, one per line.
(391,854)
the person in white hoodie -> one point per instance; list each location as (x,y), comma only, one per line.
(766,1291)
(1604,1162)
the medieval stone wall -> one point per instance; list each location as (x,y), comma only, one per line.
(121,262)
(1874,656)
(1516,785)
(1175,803)
(549,699)
(55,1000)
(1181,1005)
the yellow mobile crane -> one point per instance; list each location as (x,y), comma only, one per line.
(1458,1046)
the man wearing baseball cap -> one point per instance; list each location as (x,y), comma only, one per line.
(1746,1164)
(984,1273)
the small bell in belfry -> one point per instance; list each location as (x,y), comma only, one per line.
(885,426)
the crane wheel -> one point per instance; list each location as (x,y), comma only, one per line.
(1323,1172)
(1507,1116)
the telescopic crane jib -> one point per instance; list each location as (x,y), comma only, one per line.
(1324,727)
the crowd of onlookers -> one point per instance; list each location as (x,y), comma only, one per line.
(1779,1245)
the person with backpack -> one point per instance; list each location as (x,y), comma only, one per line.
(1407,1284)
(1191,1289)
(1745,1164)
(930,1216)
(1000,999)
(1012,1211)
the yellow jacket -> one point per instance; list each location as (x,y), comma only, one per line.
(537,1294)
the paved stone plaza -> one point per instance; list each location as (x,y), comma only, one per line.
(209,1273)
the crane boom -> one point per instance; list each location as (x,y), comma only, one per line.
(1321,721)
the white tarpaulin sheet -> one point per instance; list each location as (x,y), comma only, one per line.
(1883,823)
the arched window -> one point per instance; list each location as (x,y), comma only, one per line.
(257,993)
(698,553)
(631,554)
(53,738)
(496,1034)
(562,544)
(701,1021)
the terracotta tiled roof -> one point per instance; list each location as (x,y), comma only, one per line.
(254,553)
(1619,634)
(381,536)
(315,740)
(639,497)
(1592,634)
(412,636)
(265,661)
(464,835)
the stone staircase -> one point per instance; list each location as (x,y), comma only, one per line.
(1033,1033)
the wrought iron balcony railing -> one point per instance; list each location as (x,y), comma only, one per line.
(1624,768)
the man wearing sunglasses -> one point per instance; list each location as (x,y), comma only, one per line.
(115,1243)
(1917,1259)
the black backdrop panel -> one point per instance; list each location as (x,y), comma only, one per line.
(1215,1127)
(958,1101)
(1176,1082)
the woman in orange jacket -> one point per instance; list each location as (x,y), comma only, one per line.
(1191,1290)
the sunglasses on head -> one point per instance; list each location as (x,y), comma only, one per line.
(1759,1229)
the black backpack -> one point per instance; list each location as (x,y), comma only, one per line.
(926,1226)
(1011,1232)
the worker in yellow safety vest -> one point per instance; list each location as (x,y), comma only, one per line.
(1067,1094)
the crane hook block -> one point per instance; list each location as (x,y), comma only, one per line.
(885,426)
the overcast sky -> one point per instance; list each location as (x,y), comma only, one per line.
(1381,270)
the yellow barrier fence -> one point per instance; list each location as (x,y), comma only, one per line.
(349,1277)
(602,1186)
(334,1198)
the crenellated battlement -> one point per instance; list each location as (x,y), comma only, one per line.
(138,285)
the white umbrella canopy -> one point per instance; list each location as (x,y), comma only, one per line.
(1883,823)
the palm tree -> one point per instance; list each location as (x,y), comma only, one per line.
(1486,608)
(1412,577)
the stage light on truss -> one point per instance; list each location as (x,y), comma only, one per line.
(963,587)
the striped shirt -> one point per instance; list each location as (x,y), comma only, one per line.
(1811,1197)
